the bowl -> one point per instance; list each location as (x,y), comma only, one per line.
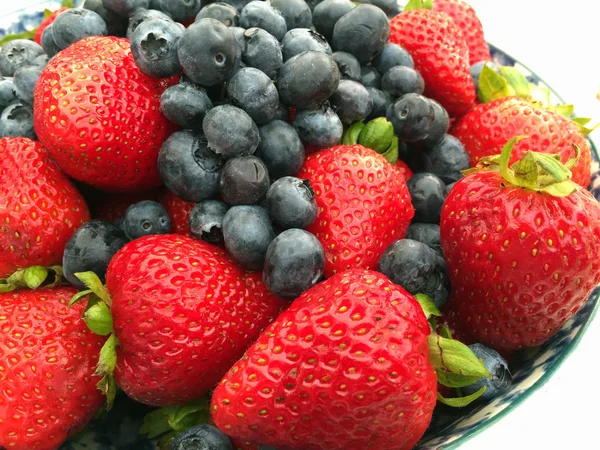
(450,428)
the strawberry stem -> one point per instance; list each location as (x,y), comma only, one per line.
(32,278)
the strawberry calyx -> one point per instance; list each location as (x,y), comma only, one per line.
(419,4)
(378,135)
(32,278)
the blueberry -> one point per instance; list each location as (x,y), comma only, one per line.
(244,181)
(428,194)
(146,218)
(154,47)
(16,54)
(41,61)
(393,55)
(301,40)
(477,68)
(449,188)
(209,52)
(401,80)
(498,368)
(282,113)
(115,24)
(370,77)
(297,13)
(144,15)
(439,126)
(446,159)
(262,15)
(262,51)
(182,11)
(76,24)
(327,13)
(381,102)
(90,249)
(25,79)
(351,101)
(201,437)
(238,32)
(48,43)
(280,149)
(307,80)
(390,7)
(291,203)
(426,233)
(188,167)
(222,12)
(17,120)
(313,3)
(254,92)
(348,66)
(126,8)
(417,268)
(321,127)
(185,104)
(230,131)
(294,263)
(363,32)
(412,116)
(247,232)
(206,221)
(8,91)
(237,4)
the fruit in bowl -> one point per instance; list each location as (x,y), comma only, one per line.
(287,224)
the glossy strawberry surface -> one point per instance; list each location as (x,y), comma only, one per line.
(45,24)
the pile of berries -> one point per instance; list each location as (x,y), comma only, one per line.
(281,213)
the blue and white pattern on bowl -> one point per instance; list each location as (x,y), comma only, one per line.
(450,428)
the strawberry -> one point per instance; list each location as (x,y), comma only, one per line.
(183,314)
(466,18)
(521,246)
(39,207)
(179,211)
(47,362)
(45,24)
(404,169)
(487,127)
(440,54)
(99,116)
(344,367)
(364,205)
(113,206)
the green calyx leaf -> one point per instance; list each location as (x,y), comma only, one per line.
(377,135)
(30,34)
(92,282)
(453,380)
(419,4)
(99,319)
(445,332)
(32,278)
(582,122)
(461,402)
(492,86)
(68,4)
(516,81)
(455,357)
(392,153)
(106,369)
(428,306)
(350,137)
(564,110)
(47,13)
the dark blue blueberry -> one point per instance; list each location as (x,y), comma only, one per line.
(348,65)
(183,11)
(143,15)
(447,159)
(185,104)
(116,24)
(351,101)
(321,127)
(126,8)
(477,68)
(449,188)
(206,221)
(294,263)
(25,79)
(401,80)
(412,116)
(41,61)
(90,249)
(120,223)
(498,368)
(280,149)
(262,51)
(301,40)
(189,169)
(237,4)
(244,181)
(145,218)
(417,268)
(16,54)
(254,92)
(381,102)
(247,232)
(307,80)
(363,32)
(17,120)
(439,126)
(8,91)
(209,52)
(76,24)
(393,55)
(222,12)
(390,7)
(291,203)
(370,77)
(297,13)
(426,233)
(327,13)
(262,15)
(428,194)
(48,43)
(230,131)
(313,3)
(283,113)
(238,32)
(154,47)
(201,437)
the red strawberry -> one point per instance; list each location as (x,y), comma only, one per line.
(441,56)
(179,211)
(99,116)
(450,320)
(183,314)
(364,205)
(344,367)
(466,18)
(45,24)
(486,128)
(404,169)
(113,206)
(47,362)
(39,207)
(522,254)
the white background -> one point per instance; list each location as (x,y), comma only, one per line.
(559,41)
